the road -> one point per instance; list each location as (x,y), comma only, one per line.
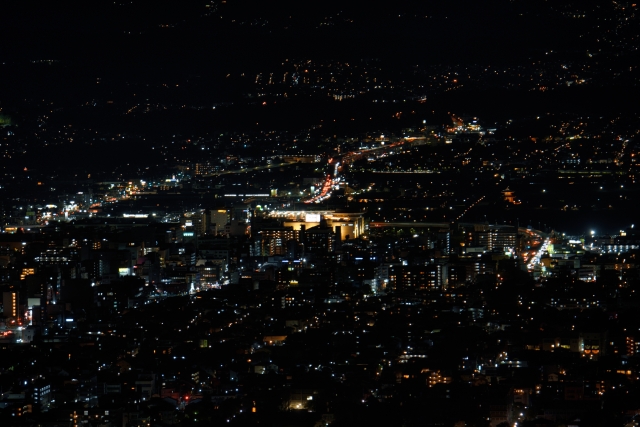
(252,169)
(344,159)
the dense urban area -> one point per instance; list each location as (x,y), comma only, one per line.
(333,227)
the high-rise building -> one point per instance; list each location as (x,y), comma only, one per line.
(496,239)
(444,241)
(275,241)
(11,303)
(218,218)
(197,222)
(319,239)
(416,277)
(492,237)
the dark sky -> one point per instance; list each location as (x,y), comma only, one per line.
(128,43)
(240,29)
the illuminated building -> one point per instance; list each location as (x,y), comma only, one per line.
(444,240)
(632,346)
(11,301)
(41,393)
(276,241)
(301,399)
(508,195)
(496,240)
(436,377)
(209,271)
(351,224)
(319,239)
(206,168)
(492,237)
(196,221)
(416,277)
(27,271)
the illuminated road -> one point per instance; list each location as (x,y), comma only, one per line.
(344,159)
(324,193)
(535,260)
(255,168)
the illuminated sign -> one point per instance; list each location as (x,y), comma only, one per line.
(312,218)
